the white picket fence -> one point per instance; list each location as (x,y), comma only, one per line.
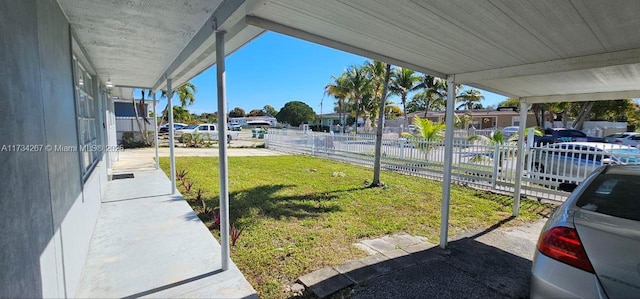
(481,166)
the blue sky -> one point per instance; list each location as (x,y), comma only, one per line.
(274,69)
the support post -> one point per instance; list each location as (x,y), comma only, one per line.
(155,131)
(524,107)
(448,161)
(172,144)
(222,149)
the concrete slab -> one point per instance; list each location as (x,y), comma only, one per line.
(379,245)
(365,248)
(325,281)
(419,247)
(401,257)
(402,240)
(148,243)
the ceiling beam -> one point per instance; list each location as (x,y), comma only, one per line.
(583,97)
(216,21)
(554,66)
(317,39)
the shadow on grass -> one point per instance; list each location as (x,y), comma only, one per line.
(542,209)
(265,201)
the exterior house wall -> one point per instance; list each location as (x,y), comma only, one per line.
(47,210)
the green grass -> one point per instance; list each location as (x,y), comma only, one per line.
(298,217)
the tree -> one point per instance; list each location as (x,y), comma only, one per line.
(186,94)
(433,95)
(339,90)
(510,102)
(469,98)
(392,112)
(180,114)
(402,83)
(427,131)
(295,113)
(378,147)
(269,110)
(376,72)
(257,112)
(358,85)
(237,112)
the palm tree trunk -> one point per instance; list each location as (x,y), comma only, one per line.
(585,109)
(135,109)
(378,148)
(357,113)
(404,111)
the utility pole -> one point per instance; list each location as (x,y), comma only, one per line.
(320,114)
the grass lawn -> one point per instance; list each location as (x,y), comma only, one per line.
(302,213)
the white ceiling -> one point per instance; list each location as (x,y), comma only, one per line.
(582,49)
(516,48)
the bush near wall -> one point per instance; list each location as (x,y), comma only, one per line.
(131,139)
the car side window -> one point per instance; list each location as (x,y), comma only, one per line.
(635,137)
(203,128)
(560,150)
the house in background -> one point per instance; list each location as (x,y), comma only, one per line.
(250,121)
(125,116)
(480,119)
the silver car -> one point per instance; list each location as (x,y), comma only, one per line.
(590,247)
(572,162)
(627,138)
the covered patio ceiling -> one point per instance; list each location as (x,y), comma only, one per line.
(539,50)
(536,50)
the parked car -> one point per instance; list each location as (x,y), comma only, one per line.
(165,128)
(235,127)
(508,131)
(573,161)
(589,247)
(627,138)
(208,131)
(564,135)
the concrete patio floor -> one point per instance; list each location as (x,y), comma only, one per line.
(149,243)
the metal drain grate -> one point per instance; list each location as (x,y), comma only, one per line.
(122,176)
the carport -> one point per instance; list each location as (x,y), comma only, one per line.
(537,51)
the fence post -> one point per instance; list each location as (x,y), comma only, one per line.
(401,148)
(496,165)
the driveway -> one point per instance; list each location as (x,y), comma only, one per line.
(144,158)
(494,263)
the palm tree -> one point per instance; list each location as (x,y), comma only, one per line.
(376,71)
(339,90)
(428,131)
(358,84)
(403,82)
(469,97)
(186,94)
(435,90)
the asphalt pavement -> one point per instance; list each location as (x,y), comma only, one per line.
(494,263)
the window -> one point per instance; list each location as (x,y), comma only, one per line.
(86,114)
(613,194)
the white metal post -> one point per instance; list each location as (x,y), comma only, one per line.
(448,161)
(155,132)
(222,149)
(524,107)
(172,156)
